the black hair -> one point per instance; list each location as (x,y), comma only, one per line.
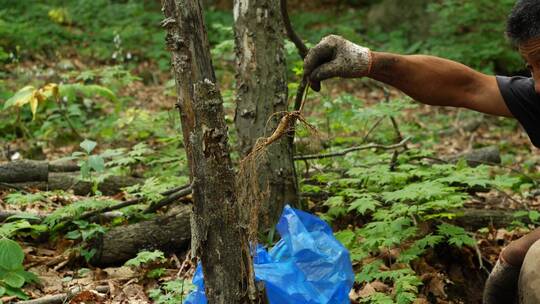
(524,21)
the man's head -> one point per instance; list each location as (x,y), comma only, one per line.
(523,29)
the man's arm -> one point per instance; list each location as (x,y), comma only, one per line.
(440,82)
(430,80)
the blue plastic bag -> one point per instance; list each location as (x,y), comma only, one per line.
(308,265)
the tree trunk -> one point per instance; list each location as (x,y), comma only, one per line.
(217,237)
(261,82)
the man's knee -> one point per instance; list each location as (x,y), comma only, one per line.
(515,252)
(529,278)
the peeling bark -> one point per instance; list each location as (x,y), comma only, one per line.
(217,237)
(261,96)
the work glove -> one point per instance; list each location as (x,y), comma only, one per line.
(335,56)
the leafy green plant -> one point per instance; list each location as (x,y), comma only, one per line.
(58,108)
(149,263)
(146,258)
(57,219)
(21,226)
(85,232)
(171,292)
(396,199)
(12,273)
(18,198)
(87,161)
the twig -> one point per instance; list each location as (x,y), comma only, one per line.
(375,125)
(302,48)
(14,187)
(302,51)
(168,200)
(392,119)
(63,112)
(352,149)
(63,297)
(479,255)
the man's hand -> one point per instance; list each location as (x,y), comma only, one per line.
(335,56)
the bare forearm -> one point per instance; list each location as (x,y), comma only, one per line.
(430,80)
(427,79)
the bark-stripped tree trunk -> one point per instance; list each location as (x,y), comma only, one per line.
(217,238)
(261,82)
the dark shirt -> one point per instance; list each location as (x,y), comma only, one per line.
(523,102)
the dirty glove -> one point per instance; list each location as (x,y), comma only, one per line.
(335,56)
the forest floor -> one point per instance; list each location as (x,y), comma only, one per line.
(452,274)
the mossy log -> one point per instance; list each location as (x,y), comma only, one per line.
(170,233)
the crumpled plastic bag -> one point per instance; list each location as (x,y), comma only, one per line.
(308,265)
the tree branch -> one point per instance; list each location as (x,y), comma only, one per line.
(302,48)
(63,297)
(168,200)
(352,149)
(172,195)
(302,51)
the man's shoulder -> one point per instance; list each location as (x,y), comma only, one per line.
(522,100)
(517,84)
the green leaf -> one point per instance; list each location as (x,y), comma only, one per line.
(94,89)
(145,257)
(156,273)
(2,291)
(85,170)
(11,254)
(534,215)
(23,216)
(11,291)
(13,279)
(96,162)
(88,145)
(456,235)
(29,277)
(364,204)
(88,254)
(20,98)
(419,191)
(73,235)
(346,237)
(335,201)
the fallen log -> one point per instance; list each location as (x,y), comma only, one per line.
(63,166)
(24,171)
(34,170)
(169,234)
(474,219)
(476,157)
(72,181)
